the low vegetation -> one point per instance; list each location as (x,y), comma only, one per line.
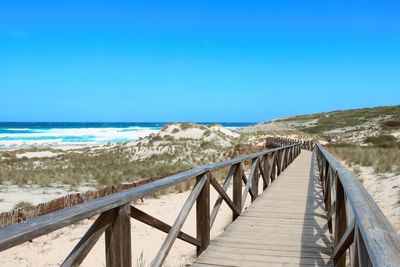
(153,156)
(386,141)
(352,125)
(383,154)
(22,204)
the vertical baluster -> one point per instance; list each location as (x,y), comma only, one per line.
(203,214)
(340,220)
(256,177)
(118,239)
(237,189)
(274,166)
(266,167)
(327,198)
(279,161)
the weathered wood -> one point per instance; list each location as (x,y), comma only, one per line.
(344,243)
(244,179)
(272,170)
(281,141)
(278,162)
(237,190)
(203,213)
(90,238)
(177,226)
(363,257)
(19,233)
(224,196)
(377,242)
(118,239)
(340,221)
(160,225)
(256,176)
(249,183)
(218,202)
(278,229)
(264,168)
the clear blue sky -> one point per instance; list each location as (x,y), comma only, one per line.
(195,60)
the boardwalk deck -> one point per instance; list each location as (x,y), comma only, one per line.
(285,226)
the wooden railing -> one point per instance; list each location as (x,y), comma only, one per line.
(362,234)
(116,210)
(282,141)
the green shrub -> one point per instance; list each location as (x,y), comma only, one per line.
(382,141)
(22,204)
(187,125)
(208,145)
(391,124)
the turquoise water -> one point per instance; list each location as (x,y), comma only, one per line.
(69,133)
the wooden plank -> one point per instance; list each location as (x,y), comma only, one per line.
(218,249)
(302,238)
(90,238)
(381,241)
(224,196)
(256,177)
(340,221)
(203,213)
(177,226)
(218,202)
(344,243)
(291,247)
(261,260)
(249,183)
(118,239)
(19,233)
(237,190)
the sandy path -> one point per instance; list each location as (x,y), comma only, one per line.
(51,249)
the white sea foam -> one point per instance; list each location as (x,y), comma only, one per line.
(71,136)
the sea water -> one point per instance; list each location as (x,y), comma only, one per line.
(16,134)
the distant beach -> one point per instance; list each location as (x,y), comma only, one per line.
(22,134)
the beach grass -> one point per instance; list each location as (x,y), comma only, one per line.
(110,165)
(382,159)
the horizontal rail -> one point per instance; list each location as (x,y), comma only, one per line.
(375,241)
(271,162)
(283,141)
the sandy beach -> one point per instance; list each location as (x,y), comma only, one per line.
(45,251)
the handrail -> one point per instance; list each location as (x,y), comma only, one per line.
(115,210)
(275,141)
(363,229)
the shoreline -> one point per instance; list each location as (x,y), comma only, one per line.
(66,138)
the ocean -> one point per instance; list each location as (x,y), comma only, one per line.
(15,134)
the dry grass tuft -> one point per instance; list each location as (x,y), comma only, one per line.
(382,159)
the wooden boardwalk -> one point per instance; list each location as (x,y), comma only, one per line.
(285,226)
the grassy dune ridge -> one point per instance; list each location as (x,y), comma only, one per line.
(175,148)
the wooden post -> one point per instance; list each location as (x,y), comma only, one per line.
(118,239)
(203,215)
(266,166)
(237,189)
(256,177)
(340,220)
(279,161)
(273,166)
(327,197)
(285,158)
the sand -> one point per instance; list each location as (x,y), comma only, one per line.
(385,190)
(12,194)
(51,249)
(39,154)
